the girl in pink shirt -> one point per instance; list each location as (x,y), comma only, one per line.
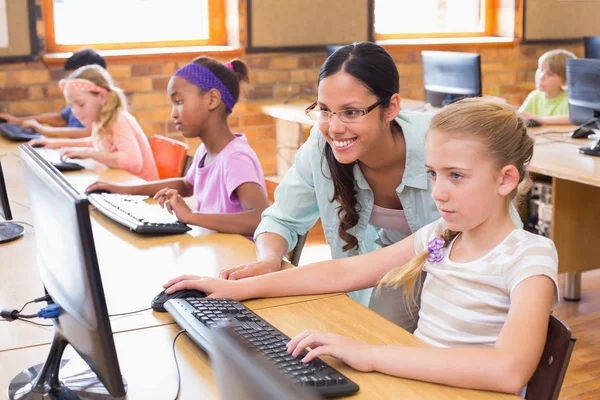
(117,140)
(225,179)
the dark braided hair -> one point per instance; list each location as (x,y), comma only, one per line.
(375,68)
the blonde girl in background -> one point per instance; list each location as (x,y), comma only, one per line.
(117,140)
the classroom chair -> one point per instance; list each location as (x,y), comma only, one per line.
(548,377)
(170,156)
(294,255)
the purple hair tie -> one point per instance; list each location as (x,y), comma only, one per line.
(434,247)
(206,80)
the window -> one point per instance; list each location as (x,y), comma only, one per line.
(128,24)
(431,18)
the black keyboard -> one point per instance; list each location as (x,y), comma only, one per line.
(137,215)
(53,156)
(15,133)
(199,315)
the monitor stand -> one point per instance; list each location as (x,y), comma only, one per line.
(41,382)
(591,151)
(10,231)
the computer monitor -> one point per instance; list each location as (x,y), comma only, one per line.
(69,272)
(330,49)
(9,231)
(583,78)
(449,76)
(591,45)
(241,373)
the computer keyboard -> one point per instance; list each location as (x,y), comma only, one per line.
(15,133)
(53,156)
(200,315)
(137,215)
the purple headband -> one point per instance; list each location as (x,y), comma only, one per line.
(206,80)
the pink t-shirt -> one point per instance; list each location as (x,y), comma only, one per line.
(131,145)
(215,184)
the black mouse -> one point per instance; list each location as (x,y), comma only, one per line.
(533,123)
(37,145)
(582,133)
(98,191)
(159,301)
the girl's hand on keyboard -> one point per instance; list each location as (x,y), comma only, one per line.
(356,354)
(213,287)
(33,124)
(174,204)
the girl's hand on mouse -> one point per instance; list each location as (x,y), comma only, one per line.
(527,115)
(251,269)
(76,153)
(172,201)
(46,143)
(109,187)
(358,355)
(213,287)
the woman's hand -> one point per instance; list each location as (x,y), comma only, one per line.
(213,287)
(251,269)
(174,203)
(356,354)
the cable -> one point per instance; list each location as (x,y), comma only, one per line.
(130,312)
(22,222)
(177,364)
(19,204)
(35,323)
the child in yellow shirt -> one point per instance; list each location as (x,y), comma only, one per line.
(548,104)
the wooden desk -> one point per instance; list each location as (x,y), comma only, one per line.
(575,201)
(338,314)
(133,266)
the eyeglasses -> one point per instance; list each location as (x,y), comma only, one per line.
(346,116)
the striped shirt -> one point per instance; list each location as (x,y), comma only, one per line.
(466,304)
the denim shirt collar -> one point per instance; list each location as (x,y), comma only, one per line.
(415,173)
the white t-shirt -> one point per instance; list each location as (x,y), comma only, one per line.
(466,304)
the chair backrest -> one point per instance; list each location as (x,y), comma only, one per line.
(297,252)
(169,155)
(548,377)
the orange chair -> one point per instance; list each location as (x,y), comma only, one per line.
(170,156)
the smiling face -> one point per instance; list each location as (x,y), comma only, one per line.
(85,106)
(468,187)
(350,141)
(190,106)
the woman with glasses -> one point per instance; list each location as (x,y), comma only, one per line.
(362,171)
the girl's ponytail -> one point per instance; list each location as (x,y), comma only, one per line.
(409,274)
(109,114)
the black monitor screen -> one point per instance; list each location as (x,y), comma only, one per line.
(592,46)
(69,267)
(4,206)
(450,74)
(243,374)
(583,79)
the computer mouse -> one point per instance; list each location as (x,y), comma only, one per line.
(159,301)
(98,191)
(37,145)
(533,123)
(582,133)
(2,121)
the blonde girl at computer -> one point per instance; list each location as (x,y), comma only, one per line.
(225,178)
(117,140)
(489,289)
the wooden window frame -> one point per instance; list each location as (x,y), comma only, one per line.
(489,19)
(217,33)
